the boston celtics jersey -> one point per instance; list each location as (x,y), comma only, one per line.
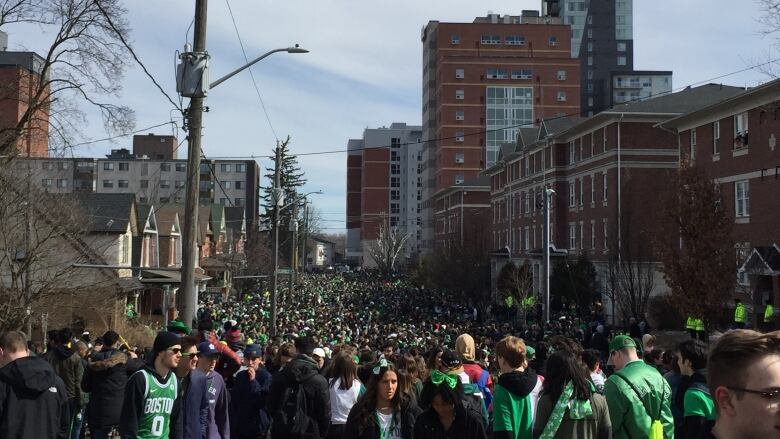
(158,404)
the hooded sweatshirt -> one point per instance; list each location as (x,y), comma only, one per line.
(512,405)
(105,379)
(32,399)
(303,371)
(68,365)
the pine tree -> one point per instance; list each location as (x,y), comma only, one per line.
(290,179)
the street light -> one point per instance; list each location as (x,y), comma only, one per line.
(295,49)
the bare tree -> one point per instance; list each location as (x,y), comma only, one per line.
(517,282)
(385,249)
(629,285)
(82,66)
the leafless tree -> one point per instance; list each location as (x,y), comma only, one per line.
(629,284)
(83,66)
(385,249)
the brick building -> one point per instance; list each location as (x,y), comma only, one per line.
(735,142)
(609,173)
(463,211)
(384,185)
(154,146)
(481,82)
(19,85)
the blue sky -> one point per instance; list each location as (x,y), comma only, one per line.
(364,69)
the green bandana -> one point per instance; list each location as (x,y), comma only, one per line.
(438,377)
(577,410)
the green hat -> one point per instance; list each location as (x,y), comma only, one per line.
(178,326)
(620,342)
(530,352)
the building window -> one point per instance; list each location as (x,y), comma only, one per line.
(605,186)
(590,19)
(522,74)
(144,184)
(181,167)
(742,198)
(165,184)
(572,194)
(604,232)
(165,167)
(621,60)
(238,202)
(716,138)
(561,96)
(395,181)
(223,201)
(460,115)
(572,236)
(490,39)
(108,166)
(459,136)
(460,157)
(124,166)
(225,184)
(46,166)
(590,101)
(572,153)
(496,74)
(590,33)
(592,188)
(108,183)
(395,156)
(458,178)
(179,184)
(515,40)
(225,167)
(582,184)
(621,47)
(455,39)
(240,167)
(62,166)
(553,41)
(395,169)
(124,184)
(593,235)
(526,240)
(741,130)
(590,73)
(693,144)
(125,249)
(590,60)
(460,74)
(561,75)
(239,185)
(46,182)
(582,235)
(395,195)
(459,95)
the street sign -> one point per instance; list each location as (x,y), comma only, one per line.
(213,289)
(284,271)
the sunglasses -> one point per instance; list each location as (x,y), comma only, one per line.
(190,354)
(174,351)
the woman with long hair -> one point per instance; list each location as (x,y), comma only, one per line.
(382,412)
(345,389)
(447,416)
(569,406)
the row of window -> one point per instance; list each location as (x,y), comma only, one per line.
(577,187)
(576,147)
(509,40)
(740,135)
(573,235)
(164,184)
(461,95)
(498,73)
(180,167)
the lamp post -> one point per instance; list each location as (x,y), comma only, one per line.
(190,83)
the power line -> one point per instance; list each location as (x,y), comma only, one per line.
(132,52)
(528,124)
(119,136)
(246,59)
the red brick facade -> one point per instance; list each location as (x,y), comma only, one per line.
(17,90)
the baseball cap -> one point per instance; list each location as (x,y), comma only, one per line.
(450,359)
(253,351)
(207,349)
(319,352)
(619,342)
(530,352)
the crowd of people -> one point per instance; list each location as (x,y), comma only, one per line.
(361,356)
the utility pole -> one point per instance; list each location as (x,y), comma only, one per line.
(194,122)
(278,203)
(294,247)
(305,242)
(547,201)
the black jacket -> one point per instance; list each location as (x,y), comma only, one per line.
(68,365)
(409,414)
(693,427)
(248,413)
(467,425)
(133,405)
(302,370)
(32,400)
(105,378)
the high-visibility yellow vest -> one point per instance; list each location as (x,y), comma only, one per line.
(739,313)
(768,313)
(690,323)
(699,325)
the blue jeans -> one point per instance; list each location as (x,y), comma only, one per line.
(78,420)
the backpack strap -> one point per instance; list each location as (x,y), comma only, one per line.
(639,395)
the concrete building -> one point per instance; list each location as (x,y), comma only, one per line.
(610,174)
(384,186)
(735,142)
(602,38)
(639,85)
(19,83)
(482,81)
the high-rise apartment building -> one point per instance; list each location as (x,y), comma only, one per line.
(20,75)
(384,186)
(482,82)
(602,38)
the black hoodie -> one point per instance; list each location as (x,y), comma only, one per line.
(302,370)
(32,399)
(511,409)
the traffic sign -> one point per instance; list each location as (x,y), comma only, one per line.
(284,271)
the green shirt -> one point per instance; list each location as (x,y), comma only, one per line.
(155,422)
(698,403)
(628,410)
(512,413)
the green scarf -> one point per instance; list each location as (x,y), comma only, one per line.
(577,410)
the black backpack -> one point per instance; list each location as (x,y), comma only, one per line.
(291,420)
